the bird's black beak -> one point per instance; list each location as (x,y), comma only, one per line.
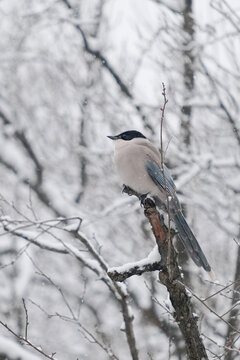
(113,137)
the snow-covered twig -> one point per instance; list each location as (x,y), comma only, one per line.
(150,263)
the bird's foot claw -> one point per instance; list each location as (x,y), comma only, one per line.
(142,199)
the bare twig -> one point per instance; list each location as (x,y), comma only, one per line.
(213,311)
(221,290)
(230,118)
(27,342)
(22,138)
(165,101)
(73,317)
(167,6)
(128,319)
(92,338)
(36,185)
(233,318)
(228,13)
(26,320)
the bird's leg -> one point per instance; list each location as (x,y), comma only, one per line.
(126,189)
(143,198)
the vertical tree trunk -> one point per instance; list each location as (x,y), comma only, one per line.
(178,294)
(186,111)
(189,60)
(82,143)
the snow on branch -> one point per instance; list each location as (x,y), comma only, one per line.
(150,263)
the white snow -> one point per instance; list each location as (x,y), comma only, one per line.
(152,258)
(15,351)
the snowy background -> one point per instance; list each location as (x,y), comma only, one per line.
(73,72)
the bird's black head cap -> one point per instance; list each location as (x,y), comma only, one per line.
(128,135)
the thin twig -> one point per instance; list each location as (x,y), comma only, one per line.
(230,118)
(26,320)
(27,342)
(219,291)
(212,311)
(165,101)
(232,307)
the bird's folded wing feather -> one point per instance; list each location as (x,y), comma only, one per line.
(161,178)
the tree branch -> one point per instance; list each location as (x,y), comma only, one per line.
(21,137)
(118,274)
(36,185)
(169,276)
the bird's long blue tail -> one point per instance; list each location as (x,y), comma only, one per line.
(189,241)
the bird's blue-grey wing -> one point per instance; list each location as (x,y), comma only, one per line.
(161,178)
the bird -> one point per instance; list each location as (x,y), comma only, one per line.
(140,167)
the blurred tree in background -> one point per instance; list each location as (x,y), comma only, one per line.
(73,72)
